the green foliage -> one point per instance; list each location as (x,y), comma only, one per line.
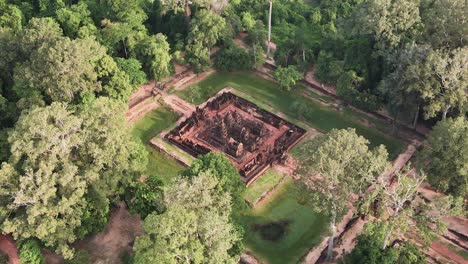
(153,52)
(76,21)
(443,84)
(369,250)
(4,146)
(4,259)
(287,76)
(334,167)
(147,197)
(445,157)
(327,69)
(446,24)
(133,68)
(233,58)
(30,252)
(348,87)
(127,258)
(206,29)
(81,257)
(10,16)
(228,178)
(95,215)
(195,206)
(392,23)
(248,22)
(56,156)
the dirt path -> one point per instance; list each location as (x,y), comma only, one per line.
(118,236)
(8,247)
(309,77)
(447,253)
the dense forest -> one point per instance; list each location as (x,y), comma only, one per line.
(68,67)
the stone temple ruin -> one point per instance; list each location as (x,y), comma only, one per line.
(251,137)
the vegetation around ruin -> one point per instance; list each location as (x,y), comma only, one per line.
(371,94)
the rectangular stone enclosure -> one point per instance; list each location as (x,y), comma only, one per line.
(251,137)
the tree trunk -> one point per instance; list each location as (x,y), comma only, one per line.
(187,14)
(303,55)
(387,237)
(416,117)
(332,237)
(269,29)
(444,114)
(389,232)
(125,48)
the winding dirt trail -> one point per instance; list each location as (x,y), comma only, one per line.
(8,247)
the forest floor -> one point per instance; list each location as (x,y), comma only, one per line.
(118,237)
(8,247)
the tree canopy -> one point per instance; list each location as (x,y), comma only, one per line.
(49,172)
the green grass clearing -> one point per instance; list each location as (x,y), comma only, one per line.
(263,184)
(288,211)
(148,127)
(318,116)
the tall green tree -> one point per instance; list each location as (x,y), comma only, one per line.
(398,87)
(57,157)
(10,16)
(205,30)
(154,53)
(287,76)
(76,21)
(183,7)
(446,23)
(392,23)
(445,156)
(368,250)
(335,166)
(195,228)
(65,70)
(401,211)
(444,85)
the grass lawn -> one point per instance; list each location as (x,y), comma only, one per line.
(283,229)
(263,184)
(146,128)
(321,117)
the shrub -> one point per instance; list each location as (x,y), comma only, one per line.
(369,250)
(81,257)
(127,258)
(30,252)
(348,87)
(287,76)
(327,70)
(147,197)
(96,214)
(233,58)
(178,57)
(133,68)
(299,109)
(3,259)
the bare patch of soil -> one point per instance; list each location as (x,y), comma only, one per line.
(8,247)
(118,236)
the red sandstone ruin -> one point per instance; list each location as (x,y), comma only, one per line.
(251,137)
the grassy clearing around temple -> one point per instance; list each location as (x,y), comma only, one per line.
(267,92)
(265,183)
(285,227)
(148,127)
